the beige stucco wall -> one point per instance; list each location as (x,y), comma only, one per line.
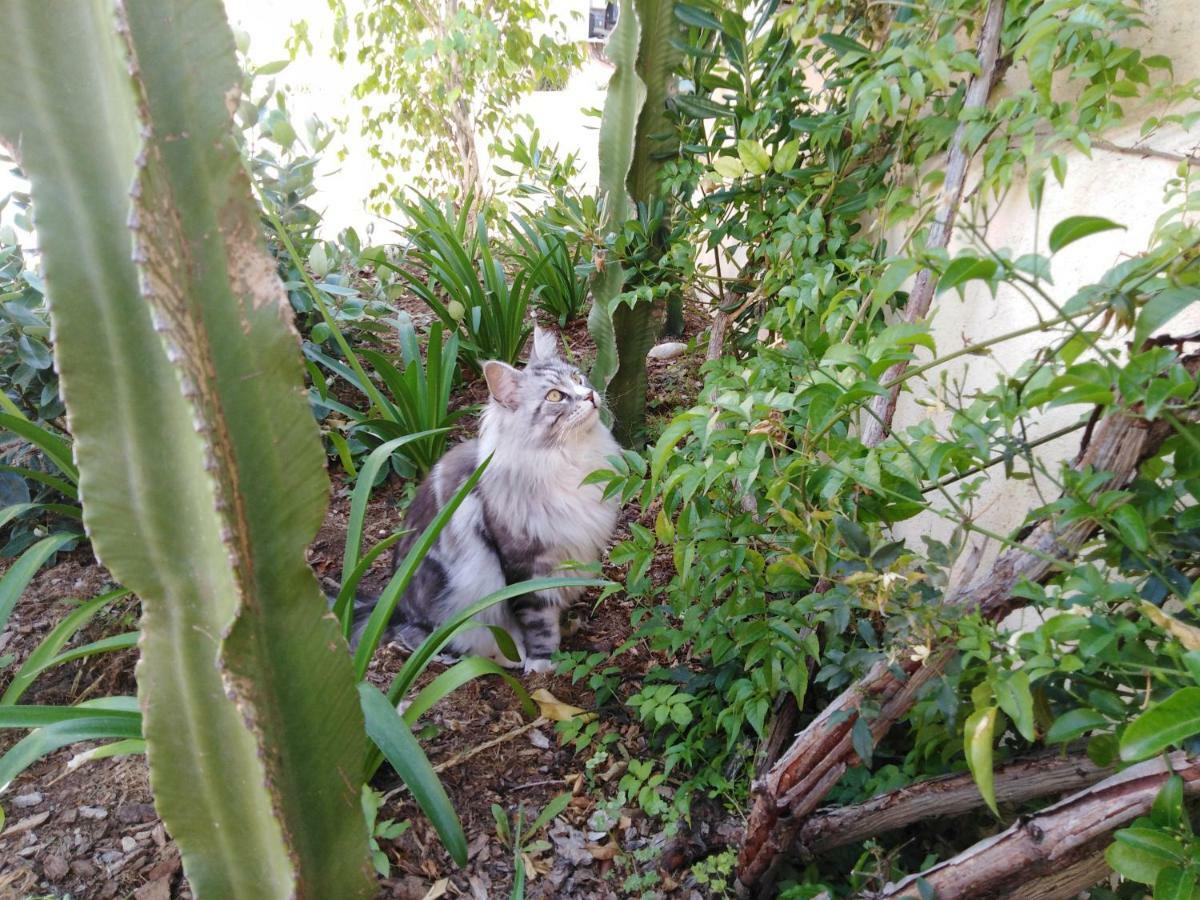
(1125,188)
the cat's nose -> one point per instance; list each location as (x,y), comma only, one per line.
(594,398)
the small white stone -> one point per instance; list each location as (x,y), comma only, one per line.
(93,812)
(668,350)
(539,740)
(128,844)
(27,800)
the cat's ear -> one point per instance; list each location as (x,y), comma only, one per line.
(545,345)
(504,382)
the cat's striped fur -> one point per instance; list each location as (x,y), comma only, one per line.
(528,516)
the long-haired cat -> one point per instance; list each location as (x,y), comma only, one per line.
(529,514)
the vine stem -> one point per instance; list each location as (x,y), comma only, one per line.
(921,296)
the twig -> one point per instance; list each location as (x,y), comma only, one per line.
(919,299)
(1143,152)
(475,751)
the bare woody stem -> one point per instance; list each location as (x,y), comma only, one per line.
(919,299)
(1046,774)
(1061,835)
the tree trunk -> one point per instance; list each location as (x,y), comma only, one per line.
(635,328)
(462,125)
(823,751)
(1041,846)
(883,408)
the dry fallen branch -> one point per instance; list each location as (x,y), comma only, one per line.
(948,795)
(821,753)
(1054,839)
(919,298)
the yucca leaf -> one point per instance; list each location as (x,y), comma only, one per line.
(392,736)
(20,573)
(93,720)
(455,677)
(420,658)
(381,616)
(363,486)
(55,448)
(44,655)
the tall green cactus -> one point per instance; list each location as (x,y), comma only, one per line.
(636,136)
(201,472)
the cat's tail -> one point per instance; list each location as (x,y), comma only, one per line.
(399,630)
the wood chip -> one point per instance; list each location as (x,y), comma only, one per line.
(25,824)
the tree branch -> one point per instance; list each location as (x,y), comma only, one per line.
(919,299)
(1060,834)
(947,795)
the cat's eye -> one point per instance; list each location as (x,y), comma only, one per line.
(554,396)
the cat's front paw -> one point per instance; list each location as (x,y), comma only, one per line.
(538,665)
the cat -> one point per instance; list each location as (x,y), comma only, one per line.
(529,514)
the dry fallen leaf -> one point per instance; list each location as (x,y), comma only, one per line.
(438,890)
(554,709)
(1188,635)
(608,851)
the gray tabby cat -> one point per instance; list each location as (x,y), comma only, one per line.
(528,515)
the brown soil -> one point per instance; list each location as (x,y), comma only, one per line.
(92,832)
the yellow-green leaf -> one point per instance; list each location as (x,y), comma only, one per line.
(977,743)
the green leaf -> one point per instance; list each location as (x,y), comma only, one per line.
(1133,863)
(964,269)
(56,449)
(1073,724)
(695,17)
(20,573)
(43,656)
(1163,725)
(392,736)
(126,747)
(553,809)
(785,156)
(1167,810)
(665,446)
(272,68)
(1015,698)
(728,167)
(1073,228)
(363,486)
(420,658)
(1131,528)
(977,743)
(1161,309)
(110,717)
(381,615)
(458,675)
(753,156)
(1174,883)
(843,45)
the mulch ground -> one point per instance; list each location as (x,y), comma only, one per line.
(92,831)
